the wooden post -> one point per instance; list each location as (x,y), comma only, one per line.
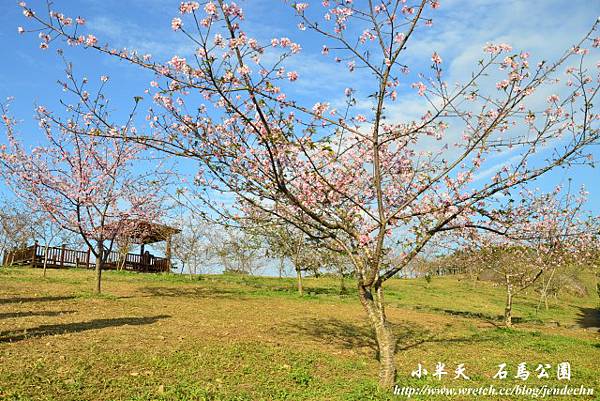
(62,255)
(142,259)
(87,259)
(168,253)
(34,253)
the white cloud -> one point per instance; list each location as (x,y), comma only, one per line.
(161,43)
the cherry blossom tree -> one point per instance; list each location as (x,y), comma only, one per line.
(15,226)
(49,233)
(19,226)
(82,180)
(539,235)
(287,242)
(358,180)
(568,245)
(237,251)
(191,246)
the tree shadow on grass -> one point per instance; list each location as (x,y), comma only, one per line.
(9,315)
(351,336)
(588,317)
(63,328)
(334,331)
(488,317)
(20,300)
(200,292)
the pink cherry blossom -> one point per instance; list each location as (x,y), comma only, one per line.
(188,7)
(421,87)
(292,75)
(553,98)
(244,70)
(210,8)
(91,40)
(502,84)
(178,63)
(300,7)
(176,24)
(399,37)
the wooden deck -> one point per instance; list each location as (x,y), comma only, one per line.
(61,257)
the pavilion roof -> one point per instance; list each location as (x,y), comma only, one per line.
(144,232)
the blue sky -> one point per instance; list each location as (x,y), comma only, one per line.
(461,28)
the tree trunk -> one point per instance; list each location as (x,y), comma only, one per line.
(508,308)
(45,259)
(300,287)
(281,262)
(342,283)
(189,271)
(124,259)
(386,341)
(99,263)
(546,288)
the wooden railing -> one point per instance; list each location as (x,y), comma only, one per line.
(137,262)
(19,256)
(60,257)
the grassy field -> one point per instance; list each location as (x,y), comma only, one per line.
(226,337)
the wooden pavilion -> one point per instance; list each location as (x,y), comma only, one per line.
(144,233)
(139,233)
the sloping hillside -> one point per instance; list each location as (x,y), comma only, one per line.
(227,337)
